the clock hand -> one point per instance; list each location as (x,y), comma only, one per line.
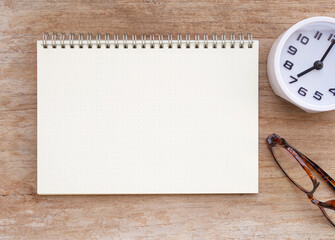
(317,66)
(327,51)
(306,71)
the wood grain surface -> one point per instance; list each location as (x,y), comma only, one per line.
(279,211)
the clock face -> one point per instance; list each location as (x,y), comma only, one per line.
(307,64)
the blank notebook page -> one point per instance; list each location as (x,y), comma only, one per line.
(147,121)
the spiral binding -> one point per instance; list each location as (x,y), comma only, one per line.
(62,40)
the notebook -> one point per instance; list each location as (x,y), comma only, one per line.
(147,114)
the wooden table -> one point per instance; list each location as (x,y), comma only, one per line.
(279,211)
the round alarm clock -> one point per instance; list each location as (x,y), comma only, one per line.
(301,64)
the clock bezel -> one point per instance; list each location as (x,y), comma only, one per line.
(277,65)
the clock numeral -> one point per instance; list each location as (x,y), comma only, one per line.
(318,95)
(294,80)
(288,65)
(318,35)
(292,50)
(332,90)
(302,91)
(303,39)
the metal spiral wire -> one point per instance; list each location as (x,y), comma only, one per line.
(62,40)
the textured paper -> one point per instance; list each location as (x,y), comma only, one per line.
(142,121)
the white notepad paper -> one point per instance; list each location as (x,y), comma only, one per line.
(147,120)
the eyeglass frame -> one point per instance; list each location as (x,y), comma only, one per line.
(274,140)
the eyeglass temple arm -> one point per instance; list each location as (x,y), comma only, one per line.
(319,170)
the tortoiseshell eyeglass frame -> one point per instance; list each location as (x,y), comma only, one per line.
(307,164)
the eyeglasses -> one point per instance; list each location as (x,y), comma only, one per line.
(298,168)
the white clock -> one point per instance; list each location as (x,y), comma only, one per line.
(301,64)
